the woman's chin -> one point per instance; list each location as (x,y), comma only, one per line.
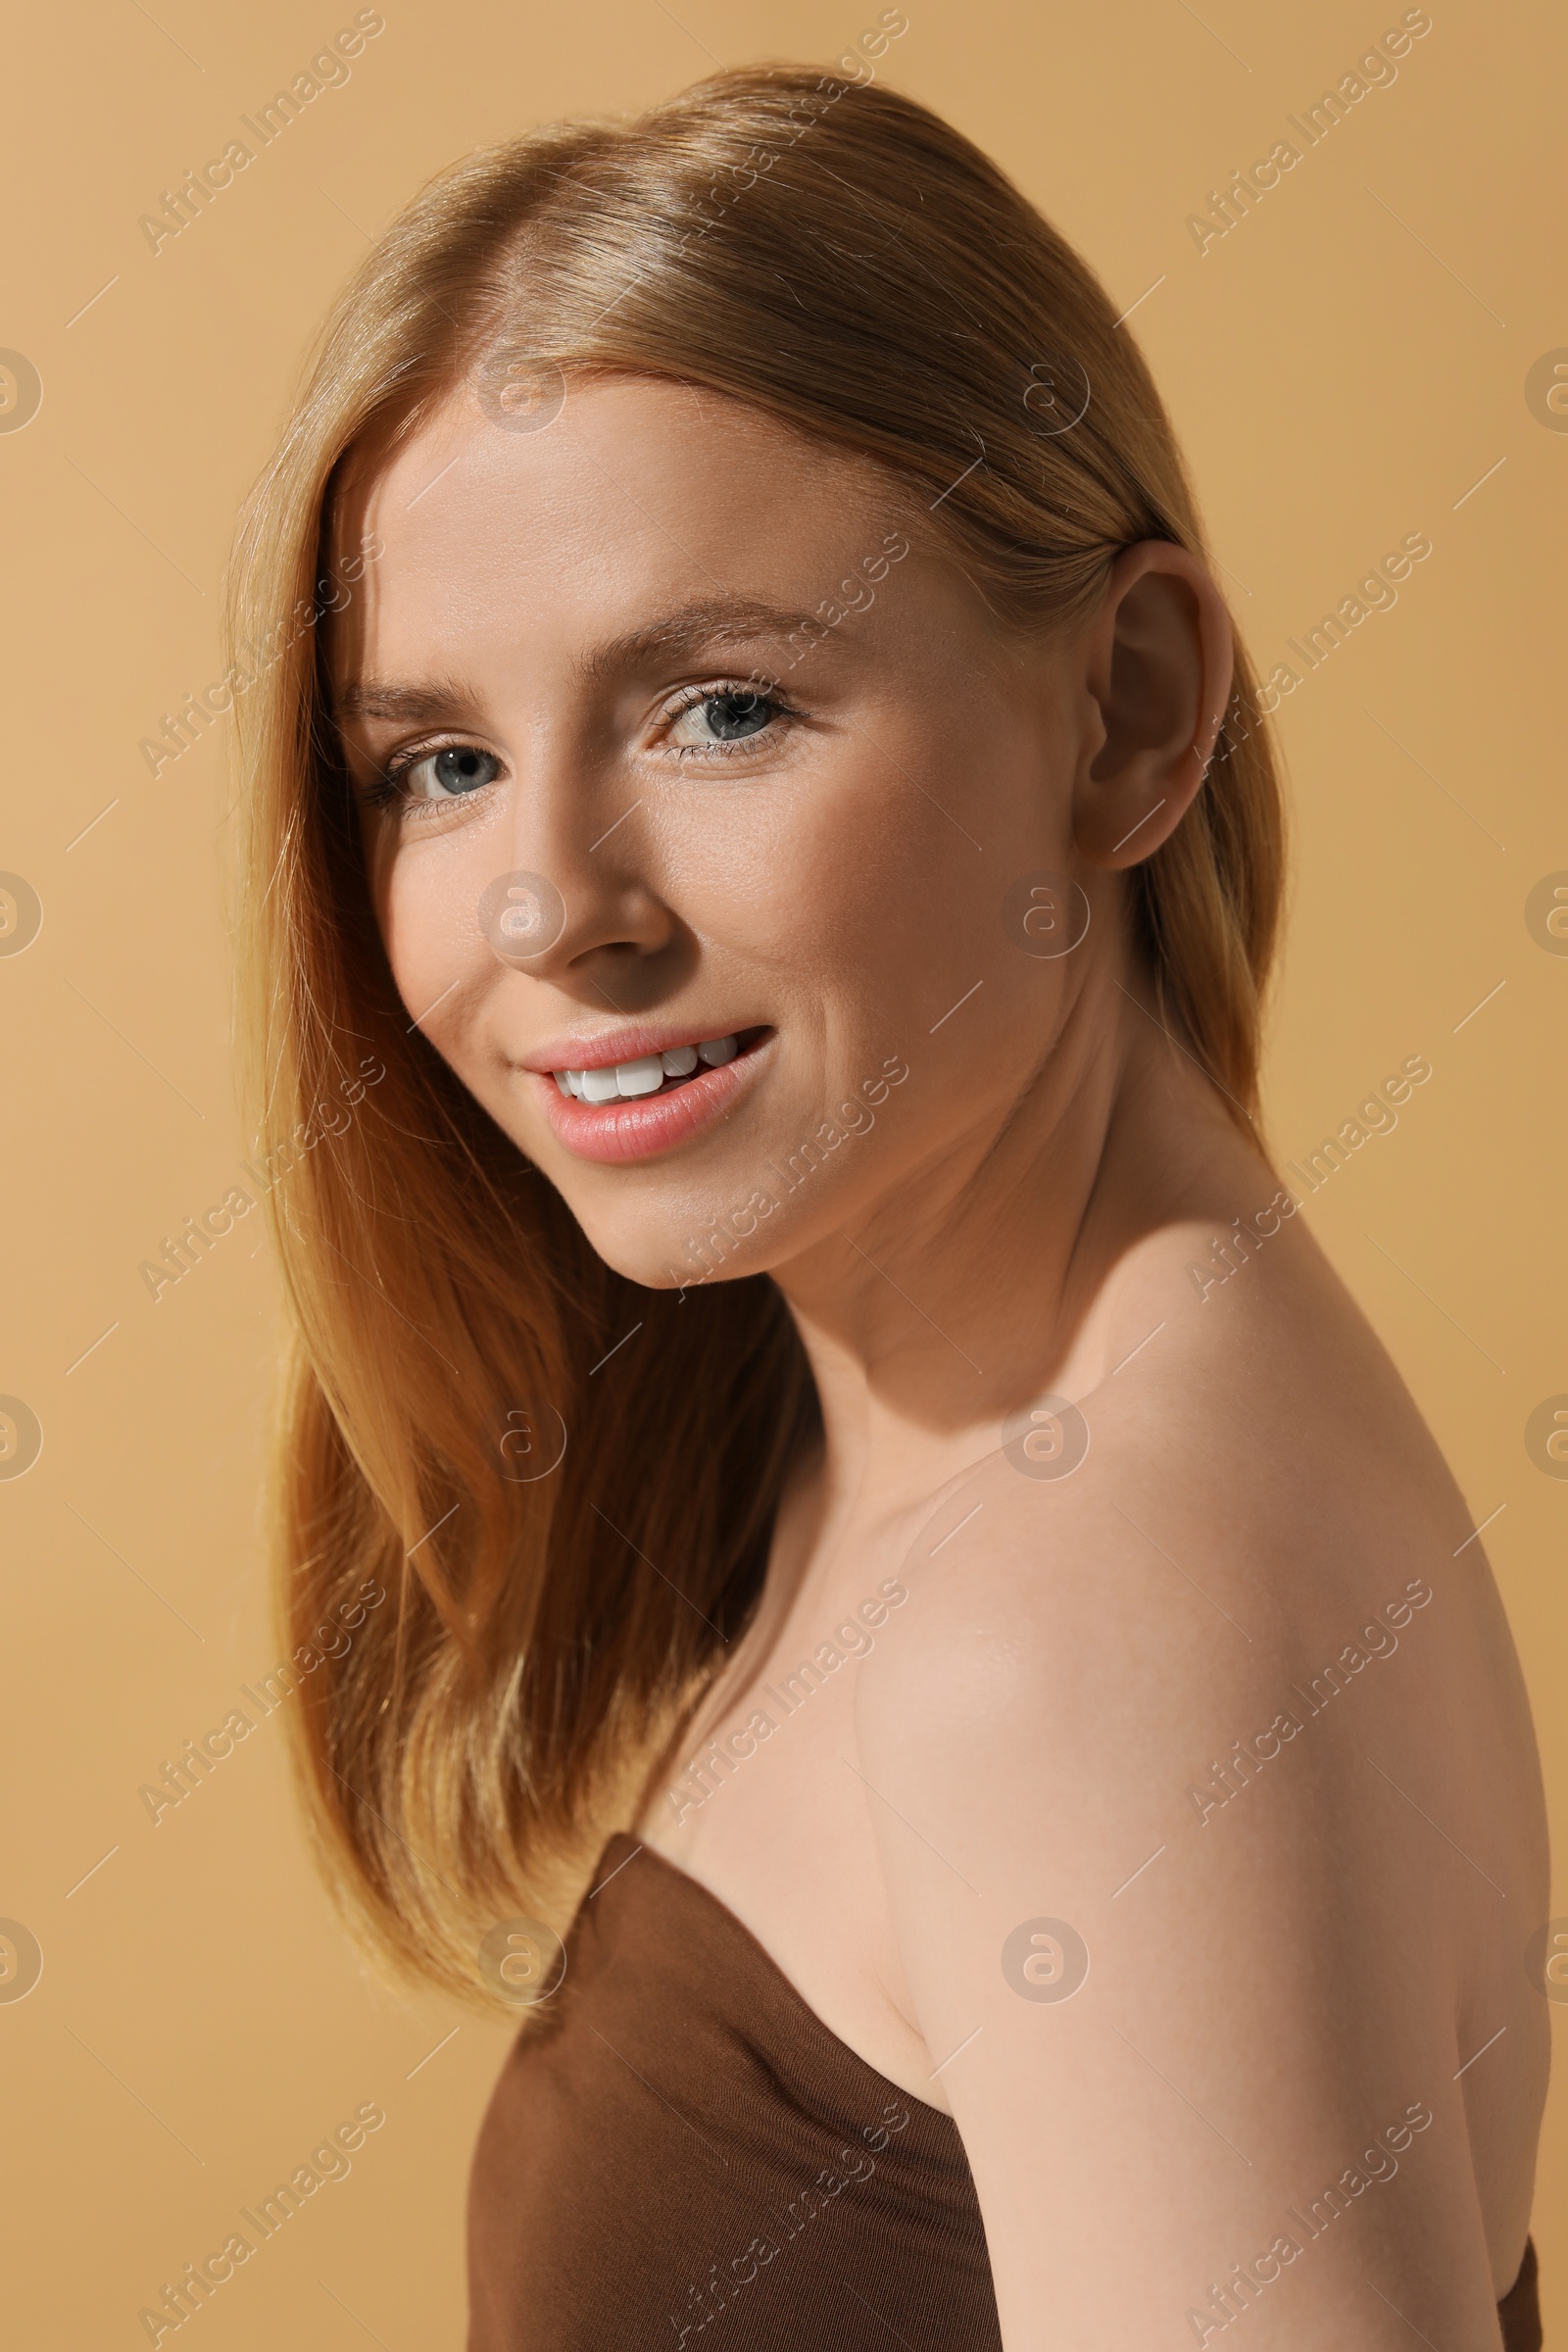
(679,1261)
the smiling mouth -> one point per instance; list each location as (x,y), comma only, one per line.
(655,1073)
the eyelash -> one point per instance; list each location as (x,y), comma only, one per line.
(692,699)
(384,790)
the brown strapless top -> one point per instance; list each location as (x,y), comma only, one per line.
(680,2143)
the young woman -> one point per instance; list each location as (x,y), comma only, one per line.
(928,1652)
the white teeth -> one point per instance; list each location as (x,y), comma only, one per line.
(626,1080)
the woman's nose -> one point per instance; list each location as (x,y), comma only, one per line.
(579,893)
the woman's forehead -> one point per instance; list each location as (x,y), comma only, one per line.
(638,507)
(644,438)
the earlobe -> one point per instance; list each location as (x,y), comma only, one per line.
(1158,671)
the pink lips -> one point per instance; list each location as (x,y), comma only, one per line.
(611,1131)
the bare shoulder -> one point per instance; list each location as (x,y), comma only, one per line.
(1204,1741)
(1249,1506)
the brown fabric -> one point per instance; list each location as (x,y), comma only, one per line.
(1520,2308)
(684,2146)
(681,2143)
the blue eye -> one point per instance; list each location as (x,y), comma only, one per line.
(729,716)
(711,720)
(446,774)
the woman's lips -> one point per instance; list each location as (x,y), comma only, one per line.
(637,1129)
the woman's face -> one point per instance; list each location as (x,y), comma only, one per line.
(759,881)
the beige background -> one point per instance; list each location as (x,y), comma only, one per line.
(1343,368)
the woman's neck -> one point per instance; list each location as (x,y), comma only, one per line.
(989,1274)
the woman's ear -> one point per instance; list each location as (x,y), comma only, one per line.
(1157,668)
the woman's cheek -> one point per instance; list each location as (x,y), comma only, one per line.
(428,906)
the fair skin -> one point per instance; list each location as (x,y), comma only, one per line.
(1277,1982)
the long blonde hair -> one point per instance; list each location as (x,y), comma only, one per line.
(843,259)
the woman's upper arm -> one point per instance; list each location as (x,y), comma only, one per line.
(1196,2030)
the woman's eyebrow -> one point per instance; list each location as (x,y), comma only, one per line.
(408,706)
(691,628)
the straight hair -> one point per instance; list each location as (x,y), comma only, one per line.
(568,1542)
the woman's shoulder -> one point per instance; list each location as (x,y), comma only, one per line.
(1204,1694)
(1235,1561)
(1259,1425)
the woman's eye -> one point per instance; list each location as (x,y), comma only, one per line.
(448,774)
(720,719)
